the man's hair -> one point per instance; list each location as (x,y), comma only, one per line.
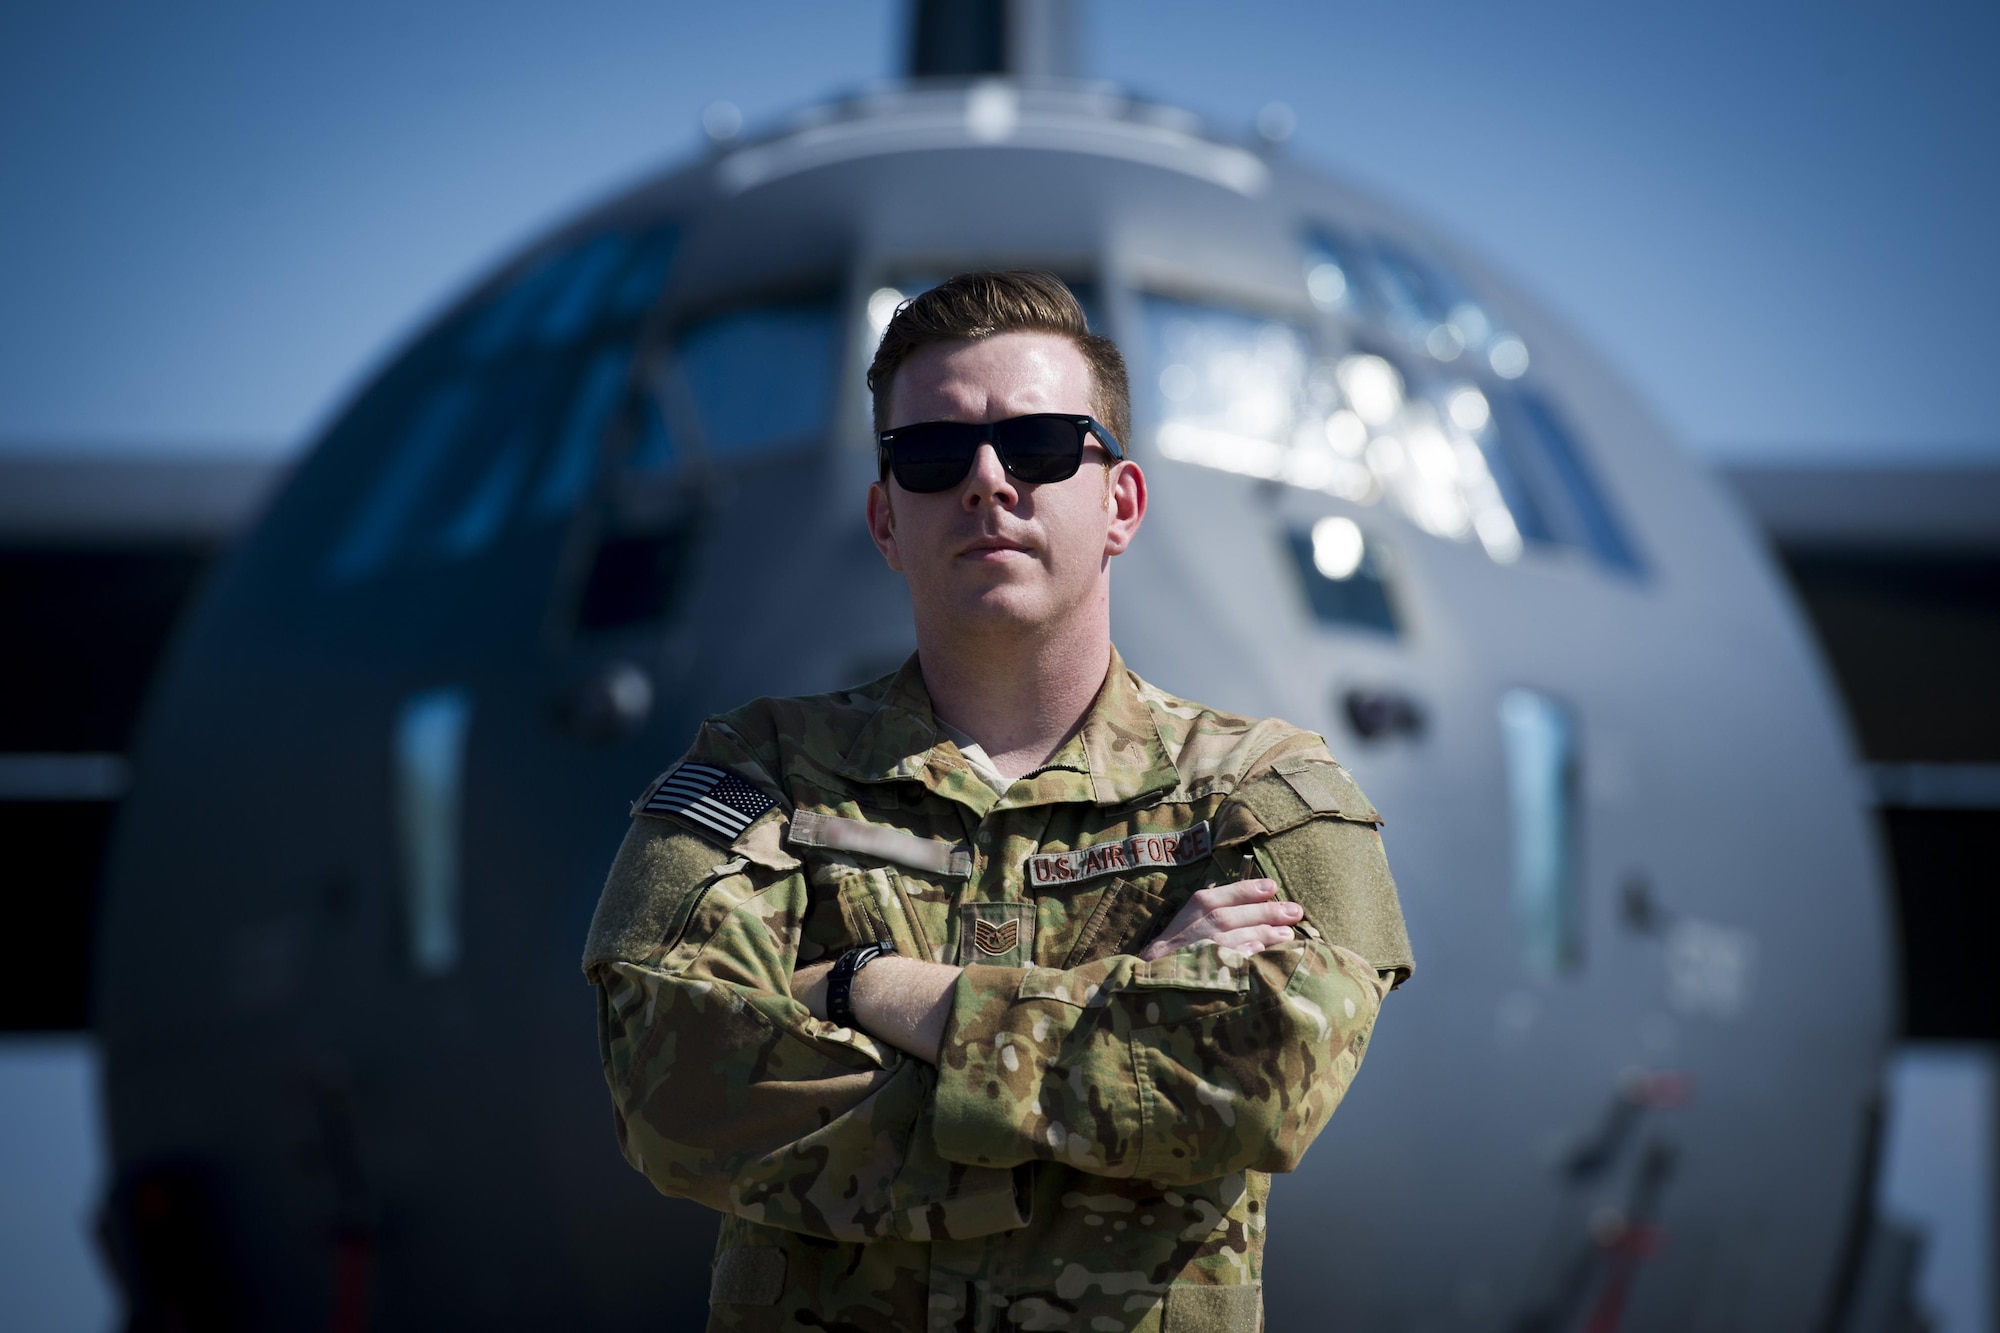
(971,306)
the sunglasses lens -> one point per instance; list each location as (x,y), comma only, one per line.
(933,456)
(1041,448)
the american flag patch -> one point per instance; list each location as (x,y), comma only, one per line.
(713,797)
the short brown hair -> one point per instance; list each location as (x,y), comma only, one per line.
(970,306)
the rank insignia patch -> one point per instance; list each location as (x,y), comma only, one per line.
(993,939)
(997,934)
(713,797)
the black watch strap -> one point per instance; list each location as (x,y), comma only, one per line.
(840,982)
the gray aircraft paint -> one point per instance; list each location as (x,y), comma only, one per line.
(333,1056)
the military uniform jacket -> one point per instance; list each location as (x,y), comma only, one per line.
(1091,1149)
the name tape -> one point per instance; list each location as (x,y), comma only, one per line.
(1134,853)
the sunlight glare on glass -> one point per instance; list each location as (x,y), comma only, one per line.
(1469,409)
(1471,323)
(1327,285)
(1177,382)
(1310,465)
(1372,386)
(1385,455)
(1432,457)
(1509,358)
(1498,534)
(1347,433)
(1444,342)
(1337,547)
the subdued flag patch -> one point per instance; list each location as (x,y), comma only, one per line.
(713,797)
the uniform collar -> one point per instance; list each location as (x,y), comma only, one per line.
(1117,755)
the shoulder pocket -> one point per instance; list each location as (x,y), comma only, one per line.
(1316,832)
(1287,796)
(654,884)
(1328,789)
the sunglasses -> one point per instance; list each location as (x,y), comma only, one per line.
(932,456)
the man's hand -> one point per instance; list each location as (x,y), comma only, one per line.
(1245,916)
(903,1001)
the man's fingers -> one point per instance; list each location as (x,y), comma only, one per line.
(1254,939)
(1244,938)
(1252,914)
(1242,914)
(1231,895)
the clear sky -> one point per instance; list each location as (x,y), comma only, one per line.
(1775,219)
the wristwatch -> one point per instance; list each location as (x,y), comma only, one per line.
(840,981)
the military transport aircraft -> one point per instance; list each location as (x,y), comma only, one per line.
(352,1077)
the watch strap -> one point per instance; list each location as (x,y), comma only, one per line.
(840,982)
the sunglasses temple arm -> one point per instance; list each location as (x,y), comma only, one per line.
(1109,440)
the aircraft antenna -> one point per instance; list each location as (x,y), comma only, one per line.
(1019,39)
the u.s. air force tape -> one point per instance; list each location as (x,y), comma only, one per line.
(713,797)
(1134,853)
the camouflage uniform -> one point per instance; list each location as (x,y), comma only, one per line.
(1090,1151)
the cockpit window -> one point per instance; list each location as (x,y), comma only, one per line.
(645,272)
(563,294)
(1336,277)
(497,326)
(1412,287)
(1588,520)
(1539,739)
(1462,458)
(654,448)
(1341,570)
(513,421)
(573,304)
(479,520)
(1229,389)
(573,460)
(759,380)
(1417,299)
(377,527)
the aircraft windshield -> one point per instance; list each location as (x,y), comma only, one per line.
(507,418)
(759,380)
(1460,457)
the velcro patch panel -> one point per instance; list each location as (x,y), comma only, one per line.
(810,828)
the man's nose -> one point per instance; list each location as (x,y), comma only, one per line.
(988,482)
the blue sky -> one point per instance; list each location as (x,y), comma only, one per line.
(1773,219)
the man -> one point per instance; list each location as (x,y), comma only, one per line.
(1138,945)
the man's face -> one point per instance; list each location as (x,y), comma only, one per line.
(994,554)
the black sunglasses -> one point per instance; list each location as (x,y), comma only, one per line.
(931,456)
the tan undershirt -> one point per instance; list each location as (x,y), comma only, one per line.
(977,757)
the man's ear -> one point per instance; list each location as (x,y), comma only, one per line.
(1127,503)
(882,524)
